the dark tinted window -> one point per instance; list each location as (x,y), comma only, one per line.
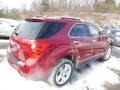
(79,30)
(50,29)
(37,30)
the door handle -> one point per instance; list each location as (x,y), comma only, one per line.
(94,41)
(76,42)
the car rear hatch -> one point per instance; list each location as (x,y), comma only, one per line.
(29,38)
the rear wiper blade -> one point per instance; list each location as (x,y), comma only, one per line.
(16,33)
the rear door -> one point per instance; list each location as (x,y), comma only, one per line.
(81,41)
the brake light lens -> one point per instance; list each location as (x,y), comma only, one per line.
(25,69)
(31,61)
(37,48)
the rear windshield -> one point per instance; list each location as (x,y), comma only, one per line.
(36,30)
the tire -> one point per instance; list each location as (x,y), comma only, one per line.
(107,53)
(61,73)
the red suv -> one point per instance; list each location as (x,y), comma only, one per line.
(51,48)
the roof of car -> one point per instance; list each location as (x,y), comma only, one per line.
(55,18)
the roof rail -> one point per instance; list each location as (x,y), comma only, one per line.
(60,17)
(72,18)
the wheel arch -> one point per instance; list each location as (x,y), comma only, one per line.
(71,58)
(111,44)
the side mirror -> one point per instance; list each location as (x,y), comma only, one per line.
(103,32)
(100,32)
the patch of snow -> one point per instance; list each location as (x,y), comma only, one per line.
(118,48)
(3,52)
(93,77)
(4,41)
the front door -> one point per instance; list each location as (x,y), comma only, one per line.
(81,42)
(98,40)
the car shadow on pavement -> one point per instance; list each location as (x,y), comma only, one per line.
(116,52)
(81,71)
(109,86)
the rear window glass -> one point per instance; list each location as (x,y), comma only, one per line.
(37,30)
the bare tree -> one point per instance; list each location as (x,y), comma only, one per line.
(45,5)
(36,7)
(24,11)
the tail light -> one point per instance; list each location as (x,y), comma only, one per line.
(24,69)
(37,48)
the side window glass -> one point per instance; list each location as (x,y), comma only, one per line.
(93,31)
(79,30)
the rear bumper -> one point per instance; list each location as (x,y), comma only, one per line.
(32,72)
